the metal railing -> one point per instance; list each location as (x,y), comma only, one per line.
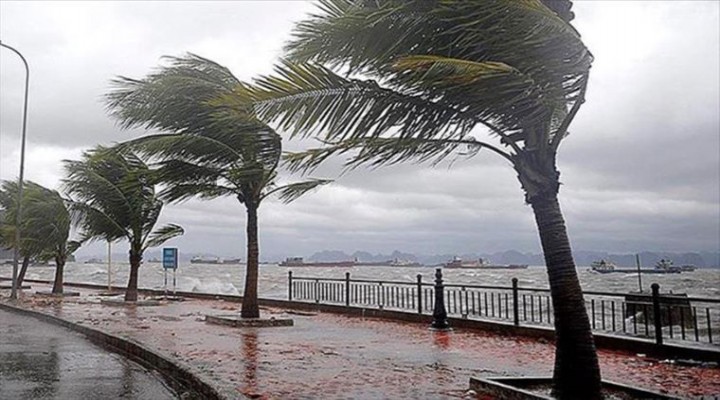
(646,314)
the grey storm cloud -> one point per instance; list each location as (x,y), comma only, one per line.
(640,170)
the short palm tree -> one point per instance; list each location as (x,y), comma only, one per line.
(45,227)
(112,197)
(8,226)
(392,81)
(205,151)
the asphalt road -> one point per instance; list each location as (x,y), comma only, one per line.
(43,361)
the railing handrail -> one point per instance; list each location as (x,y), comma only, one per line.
(304,278)
(504,288)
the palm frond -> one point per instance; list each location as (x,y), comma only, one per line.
(376,152)
(187,191)
(309,99)
(73,246)
(162,235)
(291,192)
(173,98)
(95,224)
(367,36)
(211,143)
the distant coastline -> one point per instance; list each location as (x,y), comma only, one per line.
(582,257)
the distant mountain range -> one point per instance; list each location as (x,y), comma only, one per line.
(582,258)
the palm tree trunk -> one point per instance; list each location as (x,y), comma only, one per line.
(250,308)
(59,271)
(23,270)
(577,372)
(131,294)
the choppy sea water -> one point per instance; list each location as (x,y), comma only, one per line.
(230,279)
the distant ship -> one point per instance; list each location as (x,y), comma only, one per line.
(299,262)
(666,267)
(402,263)
(688,268)
(457,262)
(232,261)
(94,261)
(603,266)
(662,267)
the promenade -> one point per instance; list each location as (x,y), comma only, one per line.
(332,356)
(41,361)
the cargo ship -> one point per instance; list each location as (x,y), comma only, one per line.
(480,263)
(299,262)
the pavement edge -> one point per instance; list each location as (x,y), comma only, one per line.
(180,372)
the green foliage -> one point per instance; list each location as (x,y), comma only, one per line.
(207,150)
(385,82)
(113,197)
(45,222)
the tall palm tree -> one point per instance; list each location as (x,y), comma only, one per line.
(112,197)
(45,227)
(417,78)
(205,151)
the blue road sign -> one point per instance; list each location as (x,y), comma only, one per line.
(170,258)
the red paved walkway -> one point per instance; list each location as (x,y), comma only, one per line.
(337,357)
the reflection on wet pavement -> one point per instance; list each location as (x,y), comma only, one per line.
(43,361)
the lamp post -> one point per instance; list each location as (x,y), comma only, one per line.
(13,293)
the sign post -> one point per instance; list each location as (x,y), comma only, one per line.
(170,261)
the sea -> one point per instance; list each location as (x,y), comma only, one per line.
(273,281)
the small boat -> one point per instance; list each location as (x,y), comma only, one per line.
(603,266)
(457,262)
(94,261)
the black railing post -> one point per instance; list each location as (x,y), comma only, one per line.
(516,306)
(317,290)
(290,293)
(656,313)
(419,293)
(347,289)
(381,296)
(439,313)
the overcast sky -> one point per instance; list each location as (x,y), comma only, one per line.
(640,170)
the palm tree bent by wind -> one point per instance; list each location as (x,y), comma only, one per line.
(417,78)
(45,227)
(205,151)
(112,198)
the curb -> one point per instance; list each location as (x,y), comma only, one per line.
(182,375)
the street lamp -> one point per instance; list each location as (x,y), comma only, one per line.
(13,293)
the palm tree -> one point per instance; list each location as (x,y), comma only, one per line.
(8,202)
(45,227)
(417,78)
(112,197)
(205,151)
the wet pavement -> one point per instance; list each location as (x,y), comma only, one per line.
(44,361)
(333,356)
